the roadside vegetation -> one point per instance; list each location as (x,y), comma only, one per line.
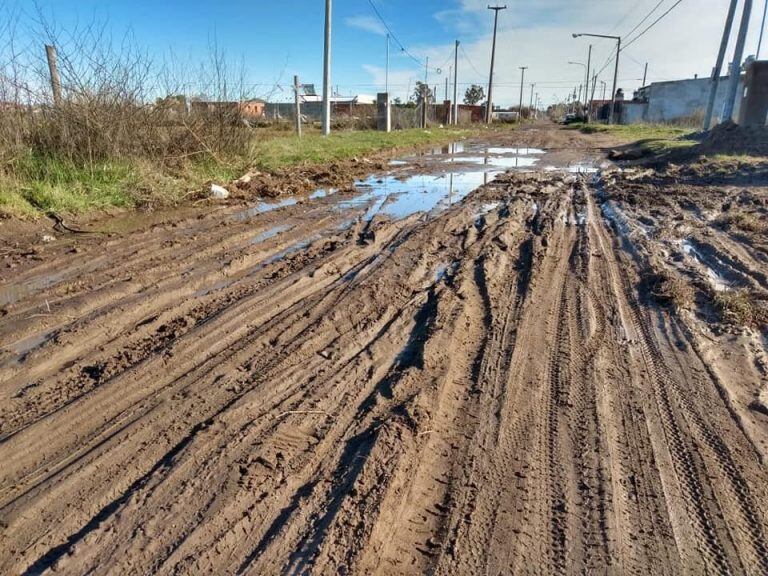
(649,138)
(129,132)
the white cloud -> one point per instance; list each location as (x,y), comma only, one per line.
(538,35)
(367,23)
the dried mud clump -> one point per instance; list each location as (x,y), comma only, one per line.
(741,308)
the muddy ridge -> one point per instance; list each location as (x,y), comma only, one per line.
(441,380)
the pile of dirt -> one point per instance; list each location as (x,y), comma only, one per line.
(304,179)
(730,138)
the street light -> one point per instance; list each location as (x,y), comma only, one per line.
(615,70)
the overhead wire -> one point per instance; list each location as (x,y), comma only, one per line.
(392,35)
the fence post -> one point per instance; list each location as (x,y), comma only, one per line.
(297,99)
(50,52)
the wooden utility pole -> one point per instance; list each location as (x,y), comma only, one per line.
(297,100)
(645,73)
(53,69)
(489,107)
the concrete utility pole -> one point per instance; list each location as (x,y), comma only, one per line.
(386,70)
(605,86)
(615,70)
(327,71)
(425,94)
(297,100)
(522,85)
(738,55)
(489,107)
(586,76)
(53,69)
(456,84)
(762,29)
(530,106)
(719,65)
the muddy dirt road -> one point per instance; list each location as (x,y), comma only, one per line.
(443,381)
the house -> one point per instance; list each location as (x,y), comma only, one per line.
(253,109)
(676,101)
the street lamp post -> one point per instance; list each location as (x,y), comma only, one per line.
(615,70)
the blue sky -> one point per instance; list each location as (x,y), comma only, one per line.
(278,39)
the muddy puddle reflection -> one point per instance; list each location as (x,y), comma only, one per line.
(434,180)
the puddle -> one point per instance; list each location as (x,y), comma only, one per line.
(719,283)
(496,161)
(322,193)
(486,208)
(582,169)
(271,233)
(421,193)
(514,151)
(265,206)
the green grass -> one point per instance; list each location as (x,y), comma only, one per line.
(32,184)
(288,150)
(653,138)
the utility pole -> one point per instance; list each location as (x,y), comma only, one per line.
(522,85)
(719,65)
(386,71)
(586,76)
(456,84)
(53,69)
(738,54)
(425,94)
(645,73)
(530,106)
(327,71)
(604,88)
(762,29)
(446,87)
(297,100)
(615,70)
(489,107)
(536,110)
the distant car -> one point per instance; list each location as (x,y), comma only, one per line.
(573,118)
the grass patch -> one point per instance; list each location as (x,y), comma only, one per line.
(288,150)
(741,308)
(32,184)
(670,290)
(652,138)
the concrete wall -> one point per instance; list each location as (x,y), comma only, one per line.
(677,100)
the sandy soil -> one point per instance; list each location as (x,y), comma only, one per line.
(487,389)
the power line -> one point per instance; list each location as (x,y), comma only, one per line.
(466,56)
(393,35)
(628,34)
(633,40)
(636,38)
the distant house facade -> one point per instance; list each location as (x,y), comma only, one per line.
(676,101)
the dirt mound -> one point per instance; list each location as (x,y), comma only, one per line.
(730,138)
